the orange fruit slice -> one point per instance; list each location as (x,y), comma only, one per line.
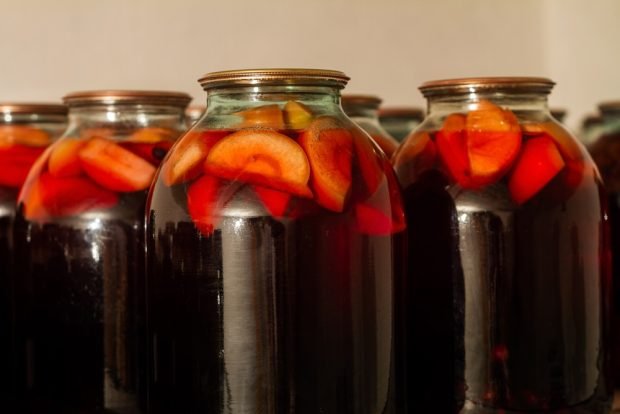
(297,115)
(537,164)
(151,135)
(114,167)
(262,157)
(266,116)
(368,163)
(24,135)
(329,150)
(64,159)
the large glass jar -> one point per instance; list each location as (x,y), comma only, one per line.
(505,305)
(79,250)
(26,129)
(590,129)
(400,121)
(364,111)
(271,232)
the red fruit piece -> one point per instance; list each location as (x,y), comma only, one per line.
(202,203)
(329,148)
(64,160)
(115,168)
(451,142)
(186,160)
(368,163)
(15,163)
(538,163)
(49,196)
(261,157)
(276,202)
(154,153)
(371,220)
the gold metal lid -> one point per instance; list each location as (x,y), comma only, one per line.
(361,101)
(464,85)
(278,76)
(112,97)
(609,106)
(401,112)
(40,108)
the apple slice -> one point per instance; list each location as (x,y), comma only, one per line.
(24,135)
(451,142)
(152,135)
(329,147)
(276,202)
(64,160)
(115,168)
(185,161)
(266,116)
(15,162)
(202,203)
(60,197)
(538,163)
(263,157)
(297,115)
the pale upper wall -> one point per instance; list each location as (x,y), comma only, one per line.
(388,47)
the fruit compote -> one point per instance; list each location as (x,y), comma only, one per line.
(79,251)
(505,305)
(25,131)
(271,237)
(363,110)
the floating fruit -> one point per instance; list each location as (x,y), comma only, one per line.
(329,148)
(154,153)
(202,202)
(152,135)
(266,116)
(15,162)
(24,135)
(451,142)
(114,167)
(276,202)
(297,115)
(419,152)
(537,164)
(64,159)
(368,163)
(263,157)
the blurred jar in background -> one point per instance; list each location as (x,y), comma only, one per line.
(559,114)
(26,129)
(79,249)
(364,111)
(590,129)
(400,121)
(193,114)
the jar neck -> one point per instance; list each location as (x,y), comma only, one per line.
(516,102)
(126,116)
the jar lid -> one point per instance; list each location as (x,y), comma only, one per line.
(280,76)
(592,119)
(401,112)
(33,108)
(609,106)
(509,84)
(111,97)
(361,101)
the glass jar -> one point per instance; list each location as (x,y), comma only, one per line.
(193,114)
(400,121)
(271,231)
(505,305)
(364,110)
(590,130)
(79,249)
(26,129)
(558,114)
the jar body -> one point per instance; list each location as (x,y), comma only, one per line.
(270,259)
(79,248)
(23,138)
(378,134)
(505,304)
(399,122)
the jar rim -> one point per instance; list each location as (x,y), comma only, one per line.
(43,108)
(501,83)
(274,76)
(119,96)
(360,100)
(401,112)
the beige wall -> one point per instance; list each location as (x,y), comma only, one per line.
(388,47)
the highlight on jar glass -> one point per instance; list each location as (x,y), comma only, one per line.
(79,253)
(193,114)
(272,230)
(363,110)
(400,121)
(26,129)
(505,304)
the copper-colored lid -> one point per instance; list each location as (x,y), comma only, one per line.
(463,85)
(111,97)
(33,108)
(401,112)
(365,101)
(609,106)
(278,76)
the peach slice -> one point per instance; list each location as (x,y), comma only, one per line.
(536,166)
(154,152)
(451,142)
(329,149)
(297,115)
(114,167)
(64,160)
(185,161)
(24,135)
(263,157)
(368,162)
(59,197)
(152,135)
(202,203)
(266,116)
(15,162)
(276,202)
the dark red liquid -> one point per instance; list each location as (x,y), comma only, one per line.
(268,314)
(502,308)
